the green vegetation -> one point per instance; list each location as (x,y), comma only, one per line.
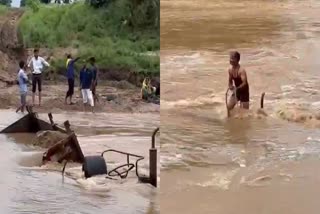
(119,35)
(5,2)
(22,3)
(3,10)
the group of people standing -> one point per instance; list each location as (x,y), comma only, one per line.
(88,79)
(38,63)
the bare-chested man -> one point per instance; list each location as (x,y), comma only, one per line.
(238,76)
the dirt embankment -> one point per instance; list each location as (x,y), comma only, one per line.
(11,50)
(118,90)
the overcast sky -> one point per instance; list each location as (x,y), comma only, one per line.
(15,3)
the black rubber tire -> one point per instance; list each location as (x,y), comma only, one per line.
(94,165)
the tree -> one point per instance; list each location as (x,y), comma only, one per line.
(98,3)
(22,3)
(33,4)
(5,2)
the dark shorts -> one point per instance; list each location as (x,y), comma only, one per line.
(71,87)
(23,99)
(243,95)
(36,79)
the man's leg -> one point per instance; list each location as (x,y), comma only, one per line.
(95,98)
(39,88)
(68,92)
(65,99)
(24,101)
(34,87)
(71,89)
(84,98)
(18,109)
(91,100)
(244,100)
(244,105)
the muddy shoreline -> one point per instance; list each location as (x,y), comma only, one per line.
(114,97)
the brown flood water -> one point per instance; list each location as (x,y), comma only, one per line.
(28,188)
(249,163)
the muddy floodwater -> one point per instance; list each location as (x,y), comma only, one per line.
(25,187)
(249,163)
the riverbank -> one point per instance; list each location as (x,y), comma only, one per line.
(114,97)
(126,53)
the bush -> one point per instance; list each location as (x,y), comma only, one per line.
(3,10)
(103,33)
(33,4)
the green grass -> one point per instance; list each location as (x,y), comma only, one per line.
(3,10)
(94,32)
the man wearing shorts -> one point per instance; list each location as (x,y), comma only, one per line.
(23,81)
(238,76)
(70,75)
(37,63)
(86,82)
(94,69)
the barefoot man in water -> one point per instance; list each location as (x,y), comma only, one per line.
(238,76)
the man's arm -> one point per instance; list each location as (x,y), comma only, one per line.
(25,77)
(76,59)
(29,63)
(243,76)
(45,62)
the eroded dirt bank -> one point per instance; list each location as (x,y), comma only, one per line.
(118,90)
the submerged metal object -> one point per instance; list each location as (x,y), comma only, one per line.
(97,165)
(30,123)
(66,149)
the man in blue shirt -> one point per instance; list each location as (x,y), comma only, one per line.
(86,83)
(23,81)
(70,75)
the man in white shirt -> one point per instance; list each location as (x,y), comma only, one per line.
(37,63)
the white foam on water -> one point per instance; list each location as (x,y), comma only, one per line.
(220,180)
(197,102)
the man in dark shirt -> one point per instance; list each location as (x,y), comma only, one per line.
(86,81)
(70,75)
(94,69)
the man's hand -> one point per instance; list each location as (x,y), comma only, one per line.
(231,87)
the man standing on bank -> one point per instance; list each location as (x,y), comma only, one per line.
(70,76)
(238,76)
(37,68)
(94,70)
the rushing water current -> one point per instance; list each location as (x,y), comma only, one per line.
(27,187)
(249,163)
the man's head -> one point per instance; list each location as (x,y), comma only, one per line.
(92,60)
(36,53)
(69,56)
(22,64)
(234,58)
